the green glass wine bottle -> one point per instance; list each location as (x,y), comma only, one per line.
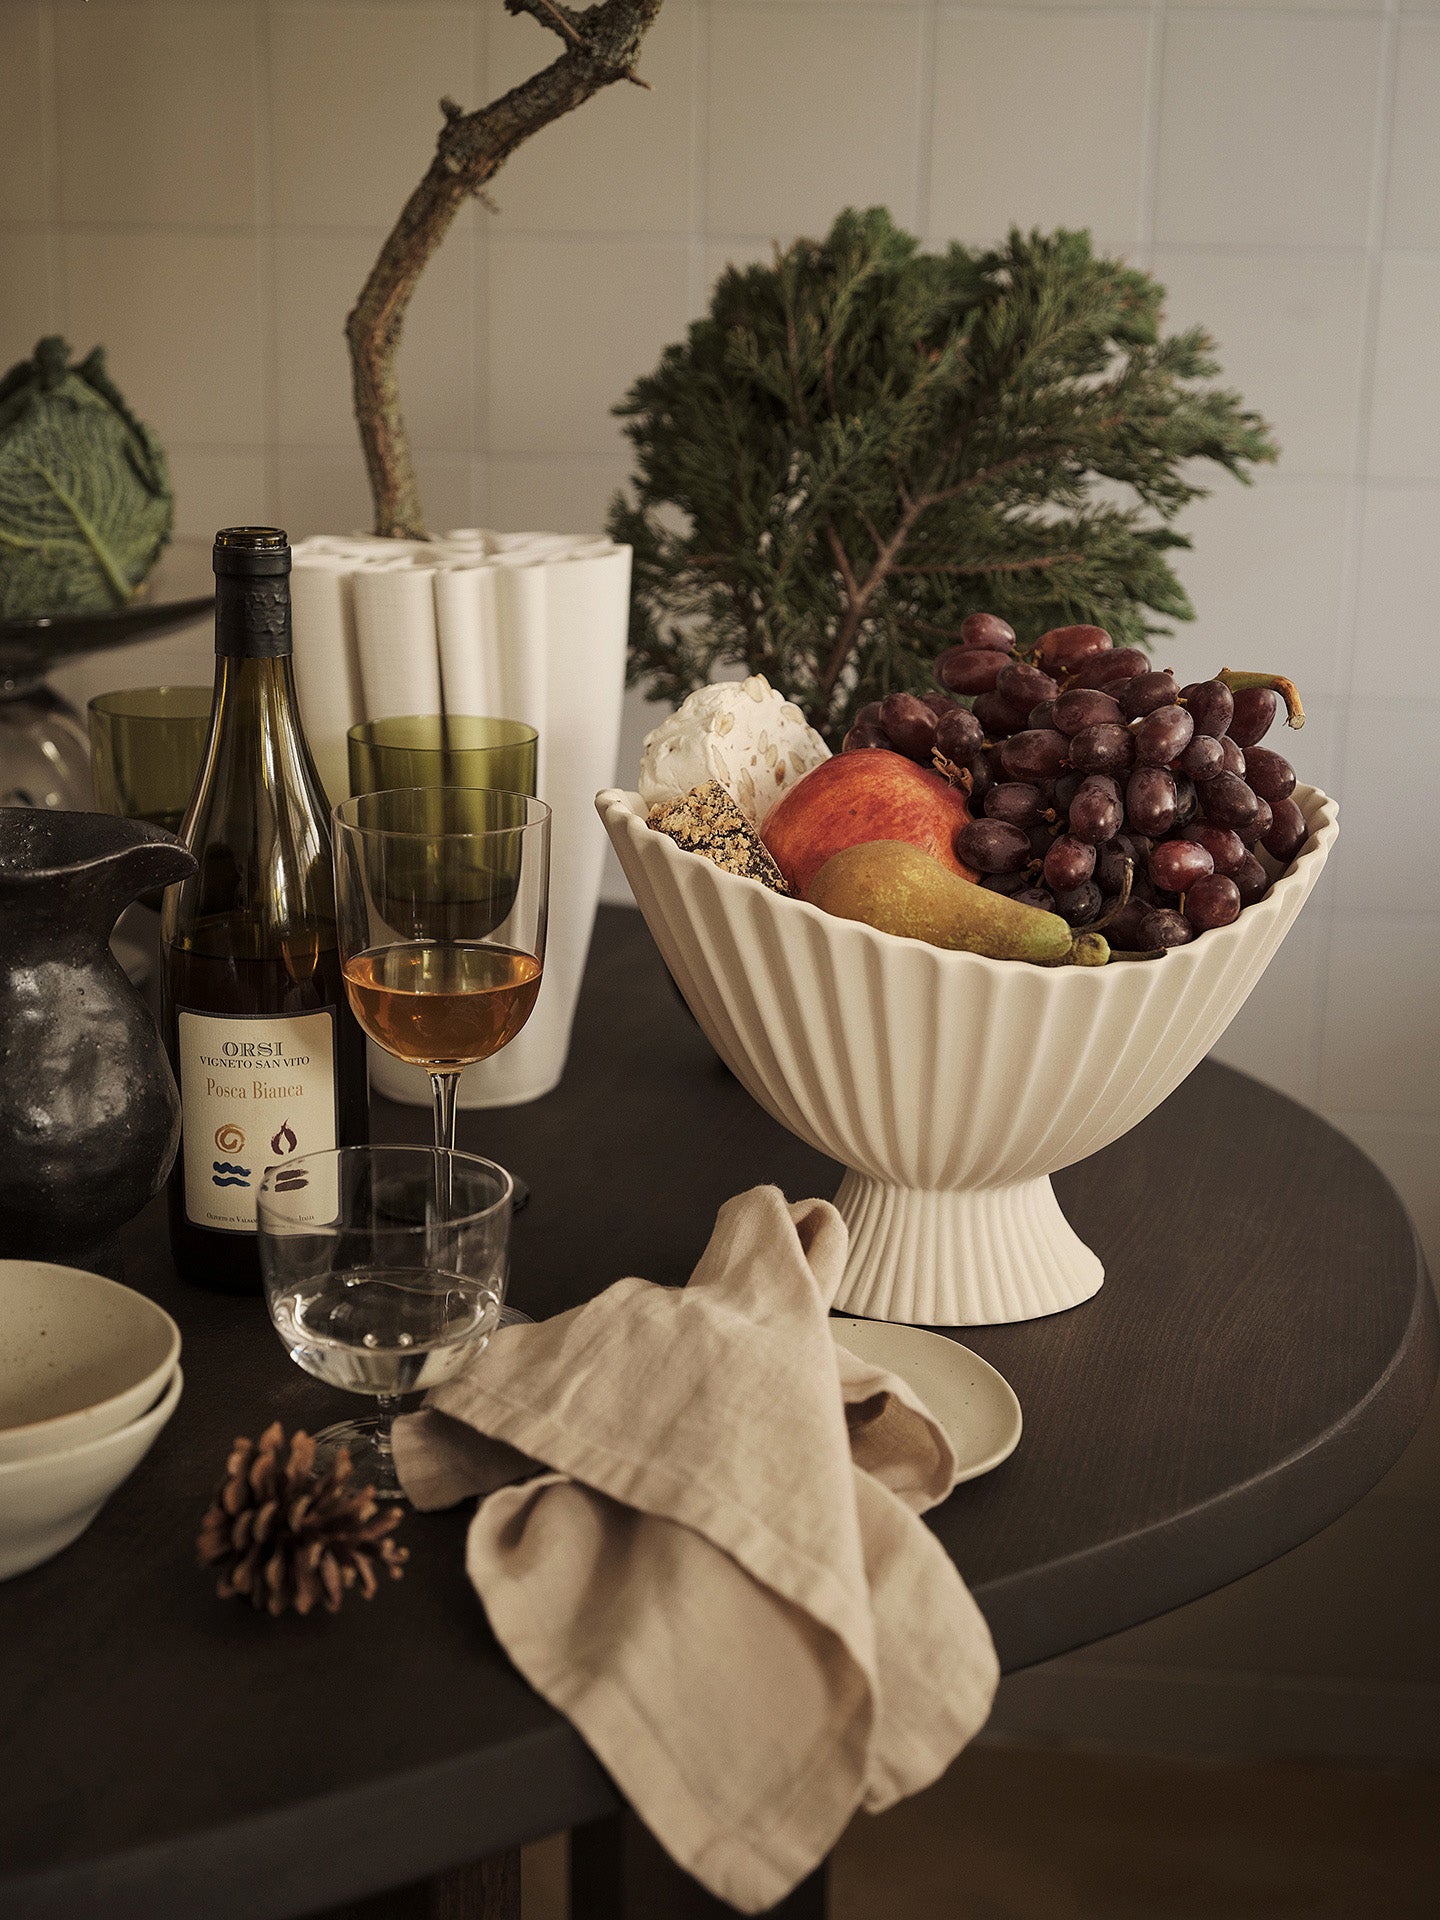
(266,1052)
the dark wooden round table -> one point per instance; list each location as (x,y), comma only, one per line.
(1263,1348)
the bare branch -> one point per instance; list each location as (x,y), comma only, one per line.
(984,475)
(858,597)
(842,561)
(549,15)
(1038,563)
(602,45)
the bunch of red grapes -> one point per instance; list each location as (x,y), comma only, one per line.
(1101,789)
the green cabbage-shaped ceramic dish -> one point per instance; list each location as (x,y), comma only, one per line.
(85,500)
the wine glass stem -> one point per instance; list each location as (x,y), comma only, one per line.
(443,1089)
(386,1405)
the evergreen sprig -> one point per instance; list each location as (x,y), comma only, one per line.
(861,443)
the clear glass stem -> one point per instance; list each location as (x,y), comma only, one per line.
(443,1089)
(386,1406)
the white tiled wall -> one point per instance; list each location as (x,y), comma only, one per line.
(202,184)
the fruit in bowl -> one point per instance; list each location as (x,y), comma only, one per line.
(1103,790)
(856,798)
(852,1013)
(898,889)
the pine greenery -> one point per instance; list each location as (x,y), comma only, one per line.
(861,443)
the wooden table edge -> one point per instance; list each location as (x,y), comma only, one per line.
(1212,1544)
(322,1852)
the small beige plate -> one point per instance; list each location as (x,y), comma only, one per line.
(975,1405)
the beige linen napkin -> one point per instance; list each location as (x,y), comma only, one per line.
(719,1576)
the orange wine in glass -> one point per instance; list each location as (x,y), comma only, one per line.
(441,897)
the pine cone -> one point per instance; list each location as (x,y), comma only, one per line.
(286,1535)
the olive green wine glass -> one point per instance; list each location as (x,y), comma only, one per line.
(146,745)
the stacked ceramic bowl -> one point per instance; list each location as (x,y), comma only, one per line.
(89,1374)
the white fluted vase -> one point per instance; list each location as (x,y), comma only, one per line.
(527,627)
(951,1086)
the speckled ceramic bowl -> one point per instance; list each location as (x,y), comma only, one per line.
(950,1085)
(80,1355)
(49,1500)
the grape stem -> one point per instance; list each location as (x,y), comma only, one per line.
(1276,682)
(1127,880)
(960,777)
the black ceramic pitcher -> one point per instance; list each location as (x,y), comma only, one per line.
(89,1114)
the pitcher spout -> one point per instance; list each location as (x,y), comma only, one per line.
(80,867)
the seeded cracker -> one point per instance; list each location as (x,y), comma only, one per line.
(707,821)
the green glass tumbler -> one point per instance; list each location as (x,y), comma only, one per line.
(146,745)
(442,750)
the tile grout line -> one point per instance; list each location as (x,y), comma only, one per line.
(925,80)
(464,239)
(262,48)
(233,230)
(1357,499)
(56,284)
(1375,233)
(478,280)
(1264,9)
(482,265)
(1150,127)
(699,183)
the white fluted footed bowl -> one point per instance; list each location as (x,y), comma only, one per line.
(950,1086)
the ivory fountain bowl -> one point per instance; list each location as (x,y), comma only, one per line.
(950,1086)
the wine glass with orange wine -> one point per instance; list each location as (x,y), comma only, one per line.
(441,895)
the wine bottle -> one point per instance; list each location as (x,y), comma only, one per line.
(266,1051)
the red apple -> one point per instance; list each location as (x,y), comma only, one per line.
(855,797)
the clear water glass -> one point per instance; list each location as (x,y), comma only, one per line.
(385,1271)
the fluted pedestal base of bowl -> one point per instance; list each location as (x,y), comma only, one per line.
(966,1259)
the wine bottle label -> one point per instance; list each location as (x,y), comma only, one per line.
(254,1090)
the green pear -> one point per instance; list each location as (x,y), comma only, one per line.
(892,885)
